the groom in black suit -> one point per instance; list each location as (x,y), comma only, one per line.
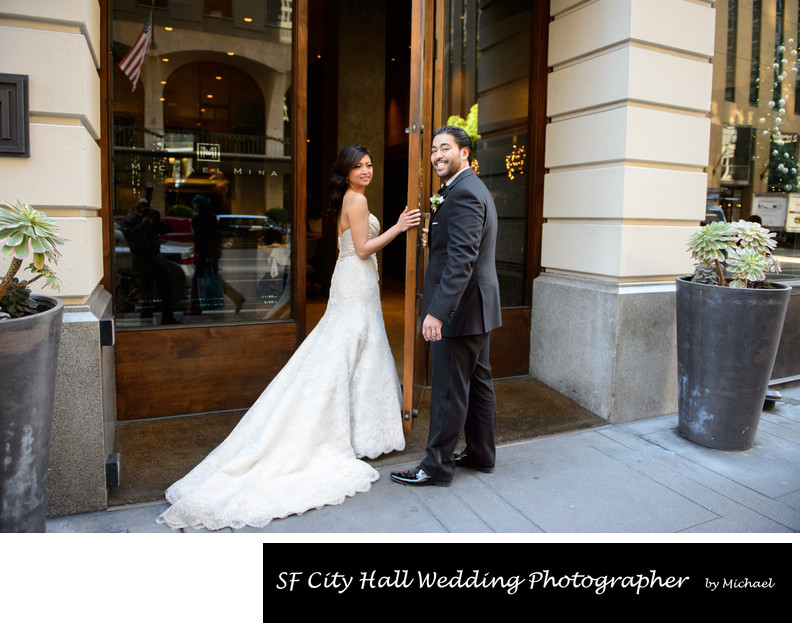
(460,306)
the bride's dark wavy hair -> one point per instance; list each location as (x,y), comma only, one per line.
(347,160)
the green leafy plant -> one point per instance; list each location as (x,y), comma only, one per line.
(24,231)
(740,251)
(180,211)
(279,215)
(470,125)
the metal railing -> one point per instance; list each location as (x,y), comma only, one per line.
(137,138)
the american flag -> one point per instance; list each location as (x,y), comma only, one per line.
(132,63)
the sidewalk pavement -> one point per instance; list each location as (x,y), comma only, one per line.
(637,477)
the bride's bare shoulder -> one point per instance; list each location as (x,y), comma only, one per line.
(354,205)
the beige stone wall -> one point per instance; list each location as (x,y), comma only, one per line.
(627,144)
(56,43)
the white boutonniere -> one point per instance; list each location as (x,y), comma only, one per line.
(436,201)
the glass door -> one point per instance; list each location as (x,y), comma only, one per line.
(492,83)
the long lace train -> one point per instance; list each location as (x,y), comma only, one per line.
(298,447)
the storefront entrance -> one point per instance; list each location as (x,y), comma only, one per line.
(247,117)
(237,116)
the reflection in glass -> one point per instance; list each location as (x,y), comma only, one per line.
(487,70)
(201,165)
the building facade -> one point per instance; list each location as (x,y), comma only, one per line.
(607,131)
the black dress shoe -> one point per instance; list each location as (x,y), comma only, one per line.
(416,477)
(463,460)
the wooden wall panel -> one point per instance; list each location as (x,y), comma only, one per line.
(170,372)
(510,343)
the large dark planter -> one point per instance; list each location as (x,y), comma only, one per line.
(28,361)
(727,342)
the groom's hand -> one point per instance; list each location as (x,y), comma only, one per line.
(431,328)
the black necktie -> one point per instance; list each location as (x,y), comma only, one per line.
(442,191)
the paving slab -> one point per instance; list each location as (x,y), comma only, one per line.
(637,477)
(771,467)
(588,491)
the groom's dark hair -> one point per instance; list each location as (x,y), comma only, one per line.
(459,135)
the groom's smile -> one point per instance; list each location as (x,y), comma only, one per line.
(446,156)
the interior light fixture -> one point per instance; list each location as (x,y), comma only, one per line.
(167,28)
(248,19)
(231,53)
(165,59)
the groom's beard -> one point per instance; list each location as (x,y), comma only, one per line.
(451,168)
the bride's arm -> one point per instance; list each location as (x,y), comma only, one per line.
(355,208)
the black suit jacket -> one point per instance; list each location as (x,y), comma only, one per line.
(461,287)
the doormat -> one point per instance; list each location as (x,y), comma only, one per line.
(156,453)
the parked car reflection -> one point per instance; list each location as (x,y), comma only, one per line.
(255,261)
(248,231)
(180,229)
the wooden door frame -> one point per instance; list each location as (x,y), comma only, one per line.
(424,46)
(299,161)
(105,142)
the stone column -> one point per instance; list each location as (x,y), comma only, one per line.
(57,44)
(626,150)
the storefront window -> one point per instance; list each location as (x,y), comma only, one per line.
(201,163)
(487,85)
(755,122)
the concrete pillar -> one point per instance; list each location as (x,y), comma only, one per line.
(626,150)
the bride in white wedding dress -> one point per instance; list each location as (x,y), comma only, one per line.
(336,400)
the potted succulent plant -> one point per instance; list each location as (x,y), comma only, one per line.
(729,322)
(30,333)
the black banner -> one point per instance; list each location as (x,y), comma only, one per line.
(528,582)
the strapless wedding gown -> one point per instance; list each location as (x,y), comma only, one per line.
(337,400)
